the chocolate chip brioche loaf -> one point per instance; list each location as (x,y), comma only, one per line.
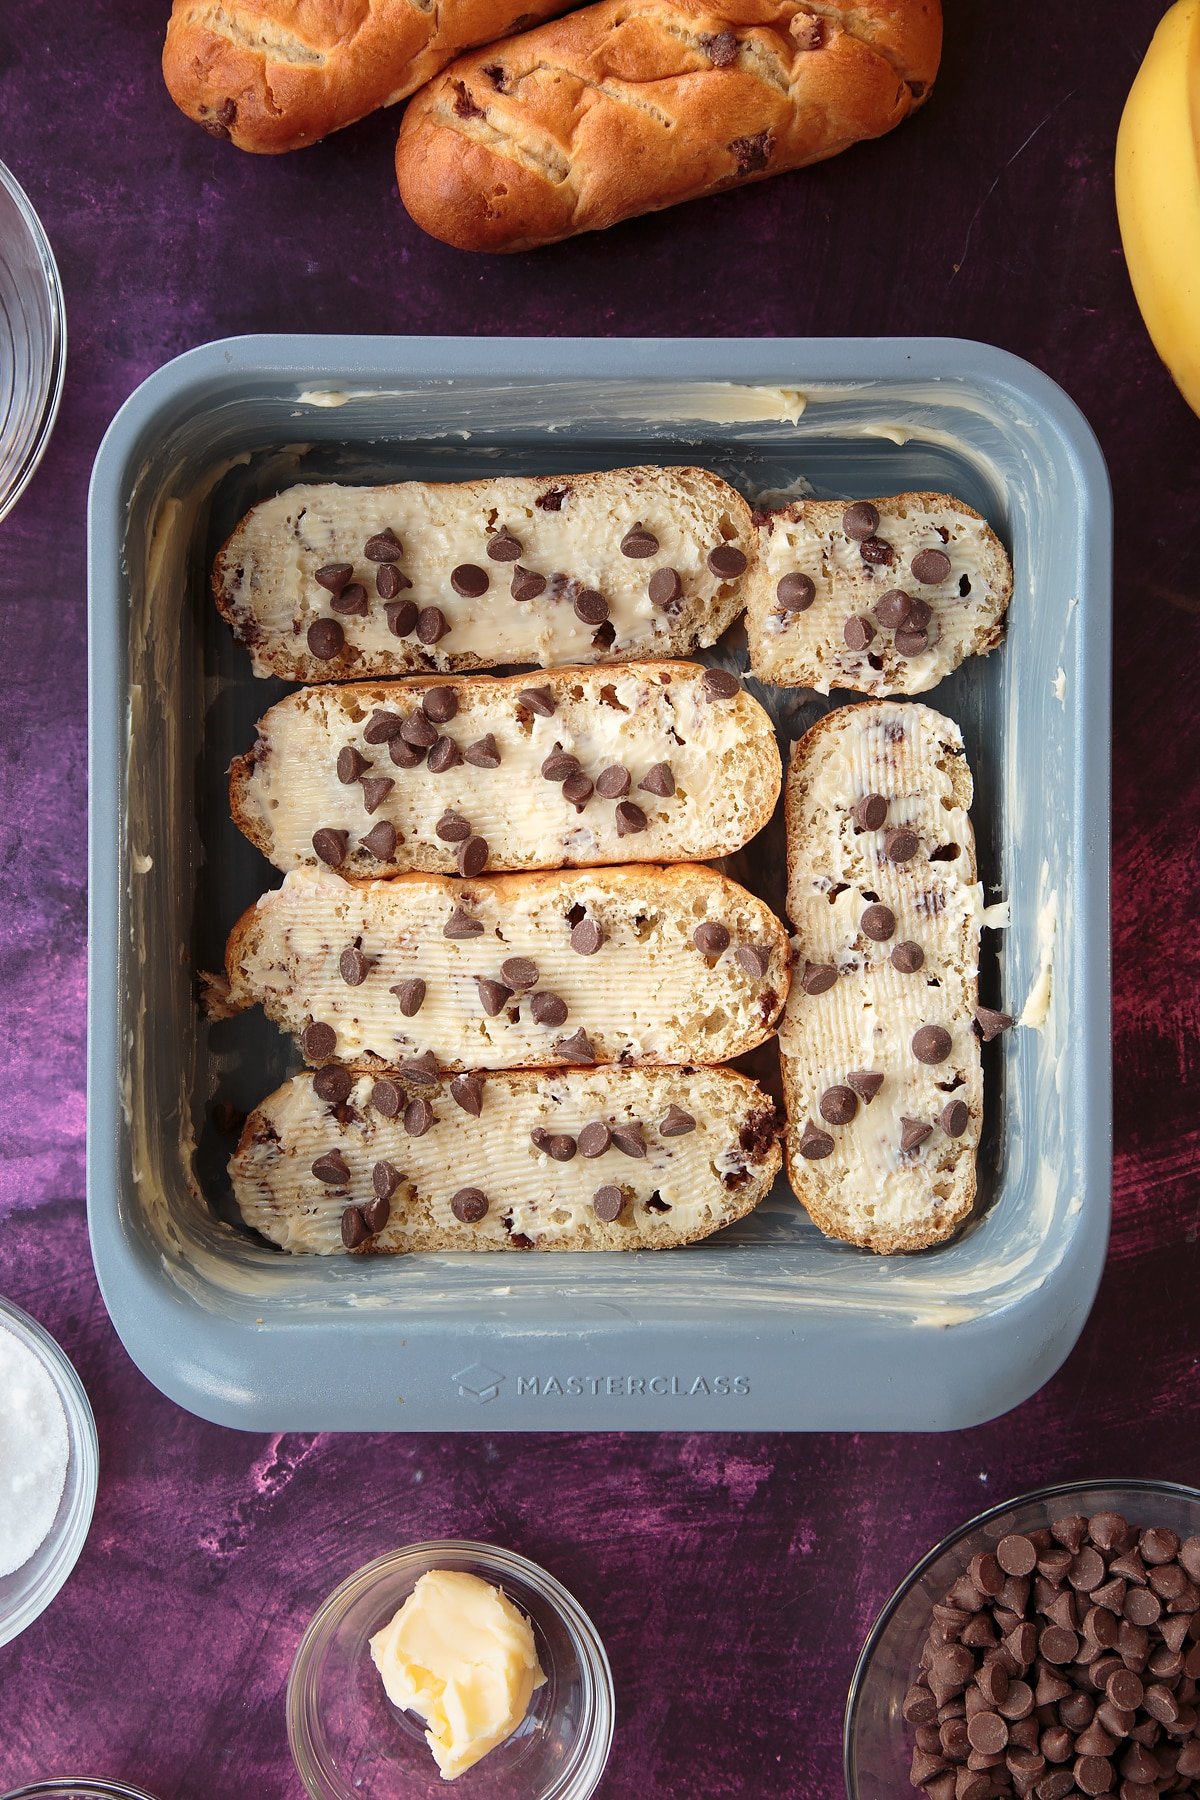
(603,1159)
(274,75)
(631,105)
(880,1041)
(641,964)
(331,583)
(879,596)
(650,762)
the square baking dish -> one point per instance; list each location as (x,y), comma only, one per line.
(769,1325)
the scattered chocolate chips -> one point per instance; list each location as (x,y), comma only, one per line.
(389,581)
(865,1082)
(860,521)
(838,1105)
(665,589)
(675,1122)
(402,617)
(325,639)
(877,552)
(586,937)
(908,958)
(318,1041)
(727,561)
(913,1133)
(483,754)
(900,845)
(387,1097)
(538,700)
(594,1139)
(354,1227)
(796,592)
(754,958)
(504,547)
(350,764)
(384,547)
(989,1023)
(711,938)
(858,632)
(719,684)
(467,1092)
(639,543)
(578,790)
(527,584)
(439,704)
(375,790)
(472,857)
(492,994)
(469,1205)
(953,1119)
(431,624)
(818,978)
(452,828)
(333,576)
(613,782)
(893,609)
(418,1117)
(411,995)
(520,972)
(352,602)
(353,966)
(331,1168)
(423,1069)
(931,1044)
(576,1048)
(607,1203)
(630,818)
(591,608)
(444,755)
(878,923)
(460,924)
(332,1084)
(658,780)
(385,1179)
(814,1144)
(628,1140)
(548,1008)
(469,580)
(930,566)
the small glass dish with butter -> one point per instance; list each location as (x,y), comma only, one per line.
(348,1738)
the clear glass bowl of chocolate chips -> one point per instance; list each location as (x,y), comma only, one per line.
(1051,1648)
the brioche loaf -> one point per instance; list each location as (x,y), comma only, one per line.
(627,106)
(603,1159)
(274,75)
(642,763)
(640,964)
(331,583)
(879,1044)
(881,597)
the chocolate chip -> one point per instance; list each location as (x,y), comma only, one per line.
(382,727)
(421,1069)
(900,845)
(908,958)
(752,154)
(911,643)
(439,704)
(594,1139)
(353,966)
(387,1097)
(878,923)
(865,1082)
(472,857)
(460,924)
(354,1227)
(875,551)
(754,958)
(611,783)
(411,995)
(675,1122)
(350,764)
(469,1205)
(989,1024)
(814,1144)
(538,700)
(727,561)
(376,1214)
(860,520)
(492,994)
(330,845)
(722,49)
(838,1105)
(639,542)
(418,1117)
(404,754)
(711,938)
(607,1203)
(893,609)
(384,547)
(334,576)
(325,639)
(920,613)
(385,1179)
(318,1041)
(818,978)
(389,581)
(331,1168)
(353,602)
(504,547)
(402,617)
(795,592)
(332,1084)
(719,684)
(858,632)
(659,780)
(452,828)
(520,972)
(559,765)
(548,1008)
(560,1146)
(467,1092)
(931,1044)
(419,731)
(444,755)
(483,754)
(930,566)
(375,790)
(665,589)
(586,937)
(591,607)
(527,584)
(469,580)
(578,790)
(576,1048)
(954,1118)
(552,499)
(431,624)
(630,818)
(870,812)
(628,1140)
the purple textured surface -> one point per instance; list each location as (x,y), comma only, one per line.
(732,1577)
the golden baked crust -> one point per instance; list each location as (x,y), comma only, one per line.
(623,108)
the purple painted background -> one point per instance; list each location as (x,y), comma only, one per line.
(732,1577)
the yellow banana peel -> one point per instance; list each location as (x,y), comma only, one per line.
(1158,193)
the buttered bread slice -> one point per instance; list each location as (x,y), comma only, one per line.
(878,596)
(648,762)
(880,1041)
(634,964)
(332,583)
(604,1159)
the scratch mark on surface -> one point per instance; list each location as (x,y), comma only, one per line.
(1021,148)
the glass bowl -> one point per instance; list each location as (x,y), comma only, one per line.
(29,1590)
(33,341)
(347,1738)
(83,1787)
(876,1741)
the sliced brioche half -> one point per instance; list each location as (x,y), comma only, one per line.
(666,1156)
(646,762)
(634,964)
(856,1089)
(878,596)
(477,574)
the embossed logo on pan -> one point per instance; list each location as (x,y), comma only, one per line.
(478,1383)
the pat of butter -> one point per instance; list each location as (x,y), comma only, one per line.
(461,1655)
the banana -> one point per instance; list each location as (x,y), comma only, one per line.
(1158,193)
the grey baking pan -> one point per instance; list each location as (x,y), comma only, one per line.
(769,1325)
